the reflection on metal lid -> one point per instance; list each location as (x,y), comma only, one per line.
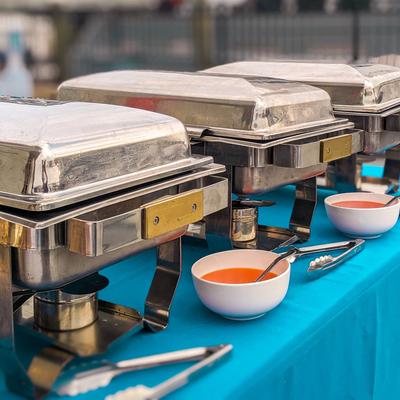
(363,87)
(259,109)
(52,156)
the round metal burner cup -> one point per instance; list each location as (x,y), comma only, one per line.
(244,223)
(60,311)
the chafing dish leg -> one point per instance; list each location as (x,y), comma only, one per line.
(16,377)
(162,289)
(344,175)
(218,229)
(303,208)
(46,367)
(219,225)
(272,238)
(392,171)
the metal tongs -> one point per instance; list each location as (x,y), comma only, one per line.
(320,264)
(99,377)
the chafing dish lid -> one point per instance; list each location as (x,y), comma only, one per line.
(53,154)
(363,87)
(260,109)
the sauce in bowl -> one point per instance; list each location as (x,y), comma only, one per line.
(358,204)
(236,275)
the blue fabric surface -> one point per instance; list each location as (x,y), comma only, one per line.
(372,171)
(334,338)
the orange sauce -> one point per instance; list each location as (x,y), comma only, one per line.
(358,204)
(237,275)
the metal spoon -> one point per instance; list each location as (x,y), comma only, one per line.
(391,201)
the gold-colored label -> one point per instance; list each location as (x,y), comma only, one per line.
(172,213)
(13,235)
(336,147)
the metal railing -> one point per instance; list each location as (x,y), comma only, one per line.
(98,41)
(201,40)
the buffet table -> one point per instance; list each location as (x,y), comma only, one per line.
(332,338)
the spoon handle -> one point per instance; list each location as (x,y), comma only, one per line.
(275,262)
(391,201)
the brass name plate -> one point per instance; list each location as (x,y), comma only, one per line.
(172,213)
(336,147)
(14,235)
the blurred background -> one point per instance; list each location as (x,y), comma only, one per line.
(43,42)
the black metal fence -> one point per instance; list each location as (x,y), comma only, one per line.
(99,41)
(189,43)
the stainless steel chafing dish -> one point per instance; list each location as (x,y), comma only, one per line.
(367,94)
(83,186)
(267,132)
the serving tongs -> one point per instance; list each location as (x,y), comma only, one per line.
(99,377)
(320,264)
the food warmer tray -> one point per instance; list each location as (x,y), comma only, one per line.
(82,187)
(267,132)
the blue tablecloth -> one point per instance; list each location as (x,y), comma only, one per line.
(334,338)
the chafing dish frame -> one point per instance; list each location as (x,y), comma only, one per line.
(243,159)
(249,156)
(382,135)
(62,347)
(381,124)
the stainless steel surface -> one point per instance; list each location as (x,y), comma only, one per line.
(392,122)
(267,132)
(45,369)
(107,170)
(345,176)
(274,263)
(368,95)
(379,142)
(352,247)
(273,238)
(306,153)
(51,267)
(303,208)
(141,392)
(324,265)
(201,177)
(391,173)
(219,225)
(239,152)
(363,87)
(114,322)
(15,373)
(248,181)
(68,152)
(94,378)
(163,286)
(60,311)
(260,109)
(299,230)
(244,223)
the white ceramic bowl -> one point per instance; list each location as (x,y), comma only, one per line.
(365,223)
(241,301)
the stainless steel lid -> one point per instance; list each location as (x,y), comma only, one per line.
(53,154)
(360,88)
(258,109)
